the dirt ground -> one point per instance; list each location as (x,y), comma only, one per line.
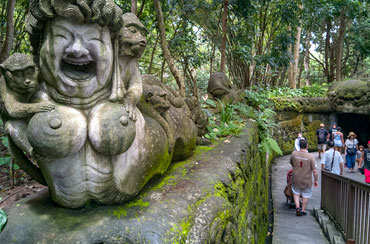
(22,187)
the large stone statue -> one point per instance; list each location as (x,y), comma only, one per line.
(220,87)
(89,139)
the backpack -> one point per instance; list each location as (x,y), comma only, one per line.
(321,136)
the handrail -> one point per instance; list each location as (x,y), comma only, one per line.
(347,202)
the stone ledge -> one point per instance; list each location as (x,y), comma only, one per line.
(329,229)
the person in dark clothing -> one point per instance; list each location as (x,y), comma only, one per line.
(331,130)
(321,135)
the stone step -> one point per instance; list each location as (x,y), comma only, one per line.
(338,240)
(328,227)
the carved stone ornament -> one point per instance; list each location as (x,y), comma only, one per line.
(72,116)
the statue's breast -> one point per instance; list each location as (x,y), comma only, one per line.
(110,130)
(57,133)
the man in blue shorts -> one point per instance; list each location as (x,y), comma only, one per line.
(303,167)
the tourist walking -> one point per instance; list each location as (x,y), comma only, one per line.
(338,140)
(303,167)
(359,155)
(365,161)
(296,142)
(332,160)
(351,150)
(321,135)
(331,131)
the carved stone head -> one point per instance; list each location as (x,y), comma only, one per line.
(20,73)
(73,40)
(132,36)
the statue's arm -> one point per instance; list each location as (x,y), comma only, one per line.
(17,109)
(135,84)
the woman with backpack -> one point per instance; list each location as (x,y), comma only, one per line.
(366,163)
(351,150)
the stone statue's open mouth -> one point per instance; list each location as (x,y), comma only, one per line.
(78,70)
(142,43)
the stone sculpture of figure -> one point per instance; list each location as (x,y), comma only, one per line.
(127,87)
(220,87)
(163,105)
(18,84)
(95,145)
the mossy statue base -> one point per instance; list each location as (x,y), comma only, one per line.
(220,195)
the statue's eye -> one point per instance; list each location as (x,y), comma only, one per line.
(58,35)
(97,40)
(17,73)
(149,95)
(29,71)
(132,29)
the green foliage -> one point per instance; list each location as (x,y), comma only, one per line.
(3,219)
(226,112)
(315,90)
(231,117)
(269,145)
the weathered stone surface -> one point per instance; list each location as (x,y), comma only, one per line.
(350,96)
(290,123)
(218,196)
(303,104)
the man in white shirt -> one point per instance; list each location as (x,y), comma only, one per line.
(296,142)
(327,163)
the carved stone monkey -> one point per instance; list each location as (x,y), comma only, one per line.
(127,88)
(18,84)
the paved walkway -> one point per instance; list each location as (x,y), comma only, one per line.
(288,228)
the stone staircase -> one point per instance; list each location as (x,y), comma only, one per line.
(328,227)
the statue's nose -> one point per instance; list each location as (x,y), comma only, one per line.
(77,49)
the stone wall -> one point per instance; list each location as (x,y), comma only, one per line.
(290,123)
(220,195)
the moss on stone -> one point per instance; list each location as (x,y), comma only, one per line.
(286,104)
(310,134)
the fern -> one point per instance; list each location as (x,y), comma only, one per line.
(270,146)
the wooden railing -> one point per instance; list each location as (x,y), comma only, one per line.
(347,202)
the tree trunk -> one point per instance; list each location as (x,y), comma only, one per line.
(162,70)
(8,42)
(166,52)
(327,49)
(300,73)
(211,59)
(141,9)
(152,56)
(224,35)
(193,82)
(339,52)
(282,78)
(306,60)
(134,6)
(294,65)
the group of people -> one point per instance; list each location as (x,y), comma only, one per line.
(332,159)
(304,165)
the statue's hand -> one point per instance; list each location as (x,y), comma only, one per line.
(130,109)
(44,107)
(37,157)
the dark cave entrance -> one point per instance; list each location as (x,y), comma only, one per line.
(358,123)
